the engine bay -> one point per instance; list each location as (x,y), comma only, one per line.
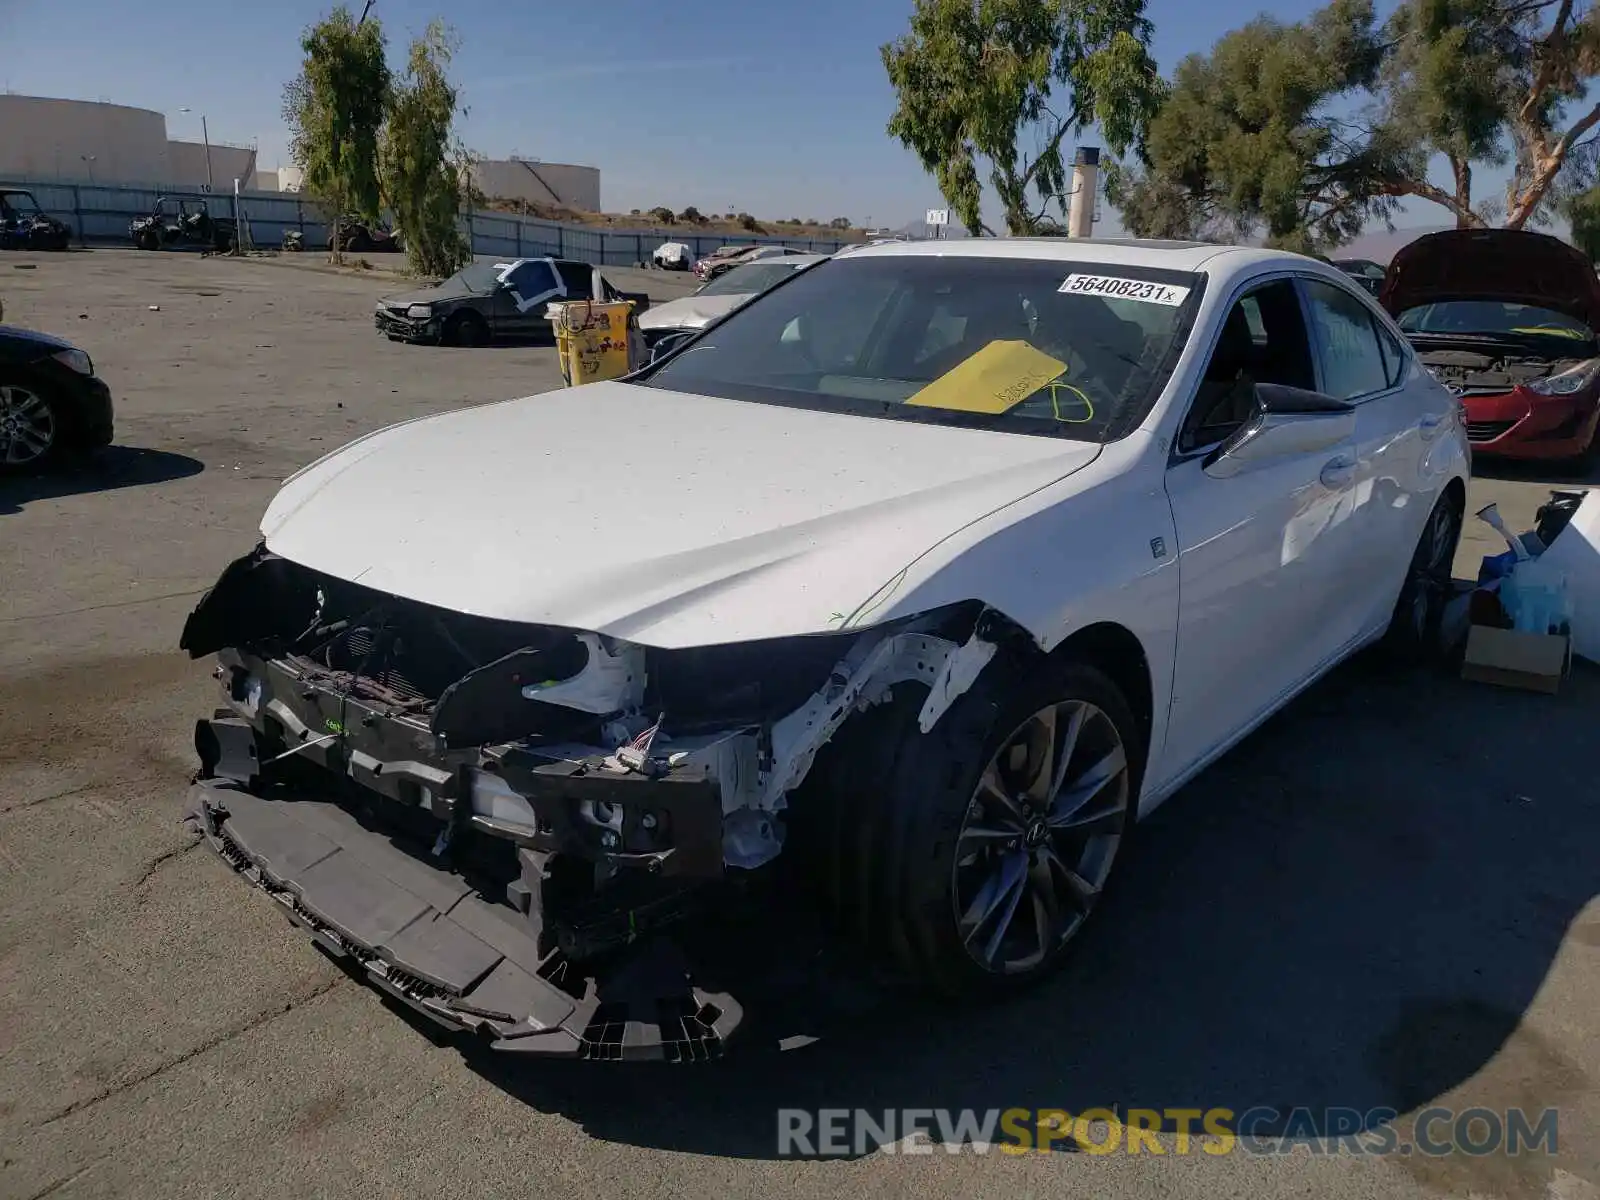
(1489,372)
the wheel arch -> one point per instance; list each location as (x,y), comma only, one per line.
(1116,651)
(1456,492)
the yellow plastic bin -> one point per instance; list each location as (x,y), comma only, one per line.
(595,339)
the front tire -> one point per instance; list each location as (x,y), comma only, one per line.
(975,858)
(31,432)
(466,329)
(147,240)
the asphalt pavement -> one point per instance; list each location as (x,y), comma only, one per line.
(1383,899)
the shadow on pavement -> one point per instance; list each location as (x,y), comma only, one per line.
(107,470)
(1353,909)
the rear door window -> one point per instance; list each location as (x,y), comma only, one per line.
(579,278)
(1347,342)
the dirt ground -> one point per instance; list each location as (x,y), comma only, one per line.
(1382,899)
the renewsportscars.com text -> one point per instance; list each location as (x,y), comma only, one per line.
(1435,1132)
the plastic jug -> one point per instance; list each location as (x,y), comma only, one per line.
(1535,597)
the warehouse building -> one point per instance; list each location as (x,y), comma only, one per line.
(89,141)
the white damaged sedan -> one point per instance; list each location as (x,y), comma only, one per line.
(924,573)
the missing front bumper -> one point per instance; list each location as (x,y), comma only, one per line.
(424,936)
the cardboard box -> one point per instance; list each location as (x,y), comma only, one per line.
(1534,662)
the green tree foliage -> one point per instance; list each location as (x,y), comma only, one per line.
(1583,210)
(974,78)
(1251,137)
(334,109)
(1303,131)
(1487,82)
(425,169)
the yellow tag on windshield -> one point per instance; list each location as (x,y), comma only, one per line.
(994,380)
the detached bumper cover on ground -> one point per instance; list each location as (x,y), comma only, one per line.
(425,937)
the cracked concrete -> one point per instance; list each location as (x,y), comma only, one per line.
(209,1044)
(166,856)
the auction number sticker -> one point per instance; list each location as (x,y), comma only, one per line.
(1116,287)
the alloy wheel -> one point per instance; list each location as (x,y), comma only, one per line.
(1039,837)
(27,426)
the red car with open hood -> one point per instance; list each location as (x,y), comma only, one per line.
(1509,321)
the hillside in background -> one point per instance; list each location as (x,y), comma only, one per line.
(733,226)
(1381,245)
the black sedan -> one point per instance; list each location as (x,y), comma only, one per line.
(491,301)
(1364,271)
(50,401)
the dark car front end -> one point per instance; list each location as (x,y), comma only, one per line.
(406,322)
(423,316)
(41,366)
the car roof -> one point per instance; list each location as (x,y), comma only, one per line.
(799,257)
(1133,252)
(528,258)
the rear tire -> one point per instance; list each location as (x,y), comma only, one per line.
(466,329)
(1413,635)
(951,856)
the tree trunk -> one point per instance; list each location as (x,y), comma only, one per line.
(1523,202)
(1462,170)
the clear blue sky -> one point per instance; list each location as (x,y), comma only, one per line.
(774,109)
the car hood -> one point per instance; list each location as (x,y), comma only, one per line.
(25,345)
(659,517)
(691,312)
(1509,265)
(436,294)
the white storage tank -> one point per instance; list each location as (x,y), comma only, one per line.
(46,138)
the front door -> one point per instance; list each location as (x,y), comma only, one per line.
(1259,552)
(525,288)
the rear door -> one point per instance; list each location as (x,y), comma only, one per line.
(579,280)
(1260,553)
(1359,360)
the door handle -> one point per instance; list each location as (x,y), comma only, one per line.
(1338,473)
(1430,426)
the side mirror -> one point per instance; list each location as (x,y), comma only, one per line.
(1287,422)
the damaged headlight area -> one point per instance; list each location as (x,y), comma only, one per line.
(604,788)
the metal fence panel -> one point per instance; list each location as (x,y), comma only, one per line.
(99,213)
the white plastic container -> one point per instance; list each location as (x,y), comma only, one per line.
(1535,597)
